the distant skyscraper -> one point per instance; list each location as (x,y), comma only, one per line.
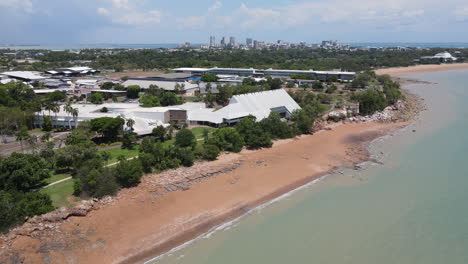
(223,41)
(249,42)
(232,41)
(212,41)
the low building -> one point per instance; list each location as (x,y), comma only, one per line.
(172,86)
(25,76)
(73,71)
(258,105)
(146,119)
(439,57)
(251,72)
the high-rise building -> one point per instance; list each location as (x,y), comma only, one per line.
(212,41)
(232,41)
(223,41)
(249,42)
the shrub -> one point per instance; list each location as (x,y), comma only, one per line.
(210,152)
(185,138)
(128,173)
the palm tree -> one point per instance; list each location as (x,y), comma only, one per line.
(130,123)
(68,109)
(56,109)
(74,112)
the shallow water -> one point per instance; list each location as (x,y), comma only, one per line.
(412,209)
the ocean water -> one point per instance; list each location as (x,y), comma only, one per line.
(411,209)
(88,46)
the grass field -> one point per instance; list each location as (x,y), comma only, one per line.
(118,151)
(198,131)
(62,194)
(57,177)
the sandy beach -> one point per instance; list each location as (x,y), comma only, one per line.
(399,71)
(156,216)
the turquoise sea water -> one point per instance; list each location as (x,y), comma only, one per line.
(412,209)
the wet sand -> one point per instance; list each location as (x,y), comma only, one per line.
(148,220)
(399,71)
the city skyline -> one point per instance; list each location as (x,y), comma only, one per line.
(144,21)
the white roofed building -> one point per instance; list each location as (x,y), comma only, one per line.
(26,76)
(440,57)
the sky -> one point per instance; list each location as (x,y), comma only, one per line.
(177,21)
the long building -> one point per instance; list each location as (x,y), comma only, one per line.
(320,75)
(259,105)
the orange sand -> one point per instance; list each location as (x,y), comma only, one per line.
(398,71)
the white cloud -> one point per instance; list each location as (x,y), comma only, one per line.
(217,5)
(197,22)
(103,11)
(25,5)
(461,13)
(128,13)
(322,12)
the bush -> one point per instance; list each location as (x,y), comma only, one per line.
(210,152)
(253,134)
(275,127)
(46,124)
(108,127)
(370,101)
(227,139)
(185,138)
(23,172)
(186,156)
(209,78)
(133,91)
(96,98)
(128,140)
(128,173)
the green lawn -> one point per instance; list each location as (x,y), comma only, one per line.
(61,194)
(57,177)
(198,131)
(118,151)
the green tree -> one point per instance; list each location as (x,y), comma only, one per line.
(275,127)
(210,152)
(150,101)
(128,173)
(108,127)
(253,134)
(159,133)
(128,140)
(185,138)
(317,85)
(209,78)
(227,139)
(370,101)
(107,86)
(46,124)
(133,91)
(96,98)
(23,172)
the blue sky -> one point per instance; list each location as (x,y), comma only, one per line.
(175,21)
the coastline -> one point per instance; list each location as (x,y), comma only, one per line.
(166,210)
(399,71)
(162,222)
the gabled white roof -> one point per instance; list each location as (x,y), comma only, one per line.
(29,75)
(258,104)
